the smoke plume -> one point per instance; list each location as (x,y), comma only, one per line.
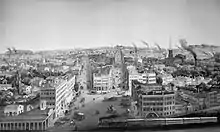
(184,45)
(145,43)
(158,46)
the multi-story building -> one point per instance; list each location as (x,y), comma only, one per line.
(58,93)
(138,87)
(32,120)
(145,78)
(142,78)
(211,99)
(160,102)
(151,78)
(102,81)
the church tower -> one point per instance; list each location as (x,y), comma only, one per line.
(170,55)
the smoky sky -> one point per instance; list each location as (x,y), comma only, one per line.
(65,24)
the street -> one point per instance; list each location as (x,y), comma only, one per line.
(91,119)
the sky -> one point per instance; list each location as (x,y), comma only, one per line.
(68,24)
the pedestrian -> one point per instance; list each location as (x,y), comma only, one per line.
(76,128)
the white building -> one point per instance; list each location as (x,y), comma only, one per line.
(27,89)
(102,83)
(148,78)
(58,94)
(139,77)
(13,110)
(151,78)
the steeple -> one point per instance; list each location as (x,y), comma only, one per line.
(170,48)
(170,43)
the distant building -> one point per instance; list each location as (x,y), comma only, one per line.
(119,57)
(170,54)
(159,102)
(13,110)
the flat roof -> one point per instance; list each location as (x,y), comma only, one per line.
(33,115)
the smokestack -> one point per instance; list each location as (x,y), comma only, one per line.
(135,51)
(184,45)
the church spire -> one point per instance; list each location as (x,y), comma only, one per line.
(170,43)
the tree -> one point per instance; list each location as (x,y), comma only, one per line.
(202,87)
(81,87)
(26,81)
(159,80)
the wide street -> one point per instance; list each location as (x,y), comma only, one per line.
(91,119)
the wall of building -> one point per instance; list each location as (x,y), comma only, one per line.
(163,105)
(60,96)
(102,83)
(27,125)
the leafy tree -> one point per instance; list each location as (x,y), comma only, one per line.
(159,80)
(202,87)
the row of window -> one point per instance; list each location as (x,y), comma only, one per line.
(158,98)
(22,125)
(100,88)
(51,104)
(13,113)
(166,113)
(159,103)
(48,98)
(159,108)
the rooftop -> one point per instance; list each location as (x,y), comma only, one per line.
(33,115)
(105,70)
(11,107)
(158,92)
